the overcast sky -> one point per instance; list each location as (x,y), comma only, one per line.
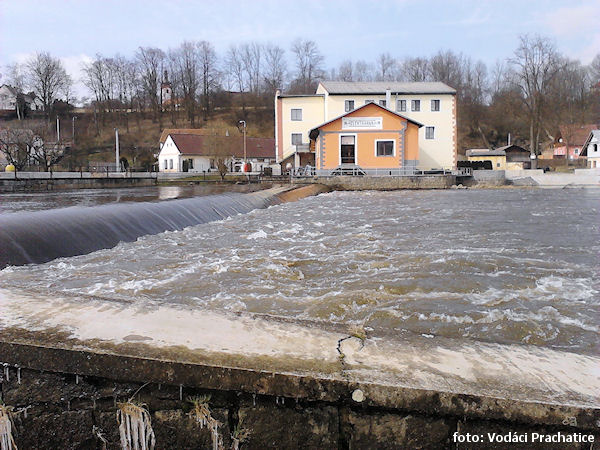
(75,30)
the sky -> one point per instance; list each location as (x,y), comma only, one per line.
(487,30)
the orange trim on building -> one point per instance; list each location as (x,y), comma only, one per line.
(381,125)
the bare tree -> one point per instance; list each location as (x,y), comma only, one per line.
(186,72)
(385,67)
(209,75)
(43,150)
(251,56)
(536,63)
(362,71)
(14,145)
(446,66)
(16,78)
(415,69)
(275,70)
(309,65)
(345,71)
(235,68)
(151,60)
(46,76)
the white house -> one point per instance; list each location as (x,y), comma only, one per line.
(591,149)
(9,96)
(432,104)
(190,151)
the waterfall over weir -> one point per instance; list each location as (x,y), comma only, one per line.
(41,236)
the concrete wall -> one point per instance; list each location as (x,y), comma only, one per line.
(350,183)
(489,177)
(29,184)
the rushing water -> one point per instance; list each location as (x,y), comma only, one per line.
(511,266)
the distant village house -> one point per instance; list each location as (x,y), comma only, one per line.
(591,149)
(509,157)
(196,151)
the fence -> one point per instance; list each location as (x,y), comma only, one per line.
(310,171)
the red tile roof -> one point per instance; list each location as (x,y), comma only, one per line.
(206,145)
(575,135)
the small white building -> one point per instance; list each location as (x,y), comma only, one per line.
(186,151)
(591,149)
(9,96)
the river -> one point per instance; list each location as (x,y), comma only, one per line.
(506,266)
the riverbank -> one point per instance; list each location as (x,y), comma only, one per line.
(323,384)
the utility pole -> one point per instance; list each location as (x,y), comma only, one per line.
(117,150)
(57,130)
(243,124)
(73,130)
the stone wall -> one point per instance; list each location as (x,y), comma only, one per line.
(65,411)
(45,184)
(356,183)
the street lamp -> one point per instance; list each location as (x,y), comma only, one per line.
(243,125)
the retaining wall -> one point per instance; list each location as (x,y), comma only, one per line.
(45,181)
(76,408)
(356,183)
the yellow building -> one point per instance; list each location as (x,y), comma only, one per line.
(509,157)
(432,104)
(370,139)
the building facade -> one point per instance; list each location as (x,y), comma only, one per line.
(370,138)
(431,104)
(184,151)
(591,149)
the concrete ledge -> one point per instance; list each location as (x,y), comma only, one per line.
(265,355)
(361,183)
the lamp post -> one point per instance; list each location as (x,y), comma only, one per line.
(118,168)
(243,124)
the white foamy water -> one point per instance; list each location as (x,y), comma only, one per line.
(500,265)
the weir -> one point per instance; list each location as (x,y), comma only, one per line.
(41,236)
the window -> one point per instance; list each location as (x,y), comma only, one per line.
(296,114)
(382,103)
(369,101)
(401,105)
(435,105)
(348,105)
(429,132)
(576,151)
(497,164)
(296,138)
(212,164)
(415,105)
(166,164)
(170,164)
(191,163)
(384,148)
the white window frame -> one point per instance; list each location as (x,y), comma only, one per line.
(439,105)
(393,148)
(296,110)
(413,103)
(171,164)
(340,147)
(399,103)
(347,107)
(432,133)
(383,103)
(369,101)
(292,138)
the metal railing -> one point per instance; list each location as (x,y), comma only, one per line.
(354,170)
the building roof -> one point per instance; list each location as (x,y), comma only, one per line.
(313,135)
(485,152)
(167,131)
(206,145)
(380,87)
(576,134)
(513,148)
(594,134)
